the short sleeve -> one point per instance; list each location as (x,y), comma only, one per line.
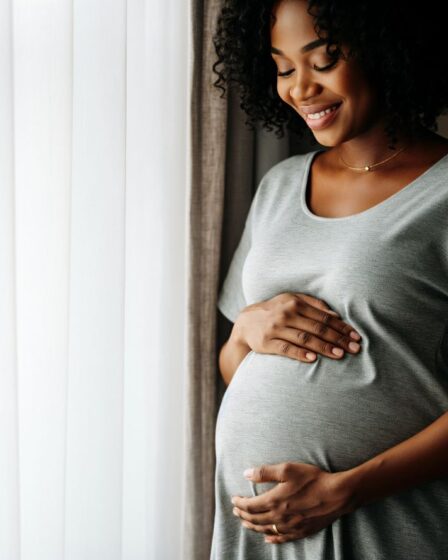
(231,298)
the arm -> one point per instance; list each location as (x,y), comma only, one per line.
(231,355)
(233,350)
(421,458)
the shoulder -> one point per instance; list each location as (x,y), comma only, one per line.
(277,181)
(281,176)
(289,166)
(277,187)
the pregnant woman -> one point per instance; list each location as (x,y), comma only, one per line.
(337,294)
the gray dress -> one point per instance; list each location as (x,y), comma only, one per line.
(385,270)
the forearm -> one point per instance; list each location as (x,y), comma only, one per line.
(231,355)
(421,458)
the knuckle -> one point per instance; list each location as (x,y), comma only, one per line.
(286,470)
(304,337)
(342,341)
(326,347)
(320,329)
(283,315)
(346,329)
(284,347)
(325,317)
(297,303)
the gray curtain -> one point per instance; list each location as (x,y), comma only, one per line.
(208,129)
(227,162)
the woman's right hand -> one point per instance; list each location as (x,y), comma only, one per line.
(295,325)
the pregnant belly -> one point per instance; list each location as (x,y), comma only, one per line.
(333,414)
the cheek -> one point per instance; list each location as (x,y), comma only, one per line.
(357,92)
(283,91)
(362,110)
(364,104)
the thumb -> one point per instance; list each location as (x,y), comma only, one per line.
(265,473)
(319,303)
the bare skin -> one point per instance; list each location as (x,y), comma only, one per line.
(307,498)
(356,134)
(335,192)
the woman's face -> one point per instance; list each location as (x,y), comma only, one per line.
(305,85)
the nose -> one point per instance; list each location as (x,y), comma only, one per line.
(303,88)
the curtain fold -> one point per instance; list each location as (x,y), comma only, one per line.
(228,160)
(208,131)
(93,168)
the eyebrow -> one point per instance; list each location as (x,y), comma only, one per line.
(309,47)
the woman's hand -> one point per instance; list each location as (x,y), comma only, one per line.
(294,325)
(305,500)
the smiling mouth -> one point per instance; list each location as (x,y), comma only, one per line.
(319,114)
(322,120)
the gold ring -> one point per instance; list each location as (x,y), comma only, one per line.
(274,528)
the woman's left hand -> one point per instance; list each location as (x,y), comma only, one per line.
(306,500)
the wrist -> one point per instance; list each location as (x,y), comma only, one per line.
(237,335)
(361,482)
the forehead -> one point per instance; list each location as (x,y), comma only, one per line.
(291,23)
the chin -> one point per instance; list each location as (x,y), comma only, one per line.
(325,143)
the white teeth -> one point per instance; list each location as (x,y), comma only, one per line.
(322,113)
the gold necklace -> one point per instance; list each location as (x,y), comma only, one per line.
(370,167)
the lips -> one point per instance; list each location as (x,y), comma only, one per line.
(323,121)
(307,109)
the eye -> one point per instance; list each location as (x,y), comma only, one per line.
(283,74)
(324,68)
(317,68)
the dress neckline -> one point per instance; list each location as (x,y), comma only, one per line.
(364,213)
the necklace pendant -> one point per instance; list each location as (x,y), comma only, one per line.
(367,168)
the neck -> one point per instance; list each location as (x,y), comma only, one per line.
(373,146)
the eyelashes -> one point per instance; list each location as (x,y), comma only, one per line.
(317,68)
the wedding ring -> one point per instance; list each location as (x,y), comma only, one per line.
(274,528)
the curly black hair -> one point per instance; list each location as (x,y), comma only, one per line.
(402,46)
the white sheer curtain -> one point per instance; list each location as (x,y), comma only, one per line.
(93,174)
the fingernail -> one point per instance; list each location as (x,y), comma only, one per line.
(354,346)
(310,356)
(355,335)
(339,351)
(248,473)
